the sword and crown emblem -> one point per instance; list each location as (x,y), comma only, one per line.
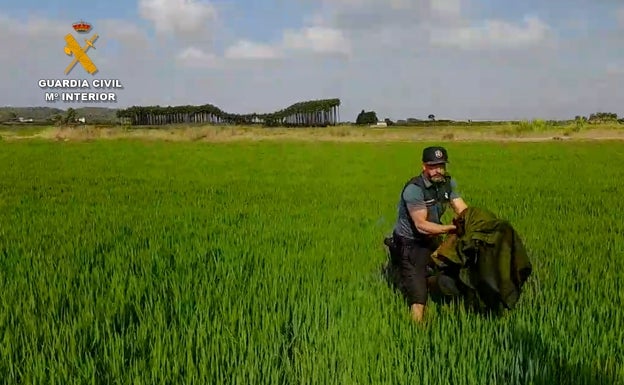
(73,48)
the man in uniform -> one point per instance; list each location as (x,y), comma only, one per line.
(418,228)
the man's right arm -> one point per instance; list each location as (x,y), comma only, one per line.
(419,216)
(417,208)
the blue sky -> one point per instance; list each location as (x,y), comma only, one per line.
(460,59)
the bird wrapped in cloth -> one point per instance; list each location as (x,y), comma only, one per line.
(484,260)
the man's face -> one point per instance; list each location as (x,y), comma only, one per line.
(435,172)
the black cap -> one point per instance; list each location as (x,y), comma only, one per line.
(435,155)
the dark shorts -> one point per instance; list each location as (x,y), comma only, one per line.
(410,259)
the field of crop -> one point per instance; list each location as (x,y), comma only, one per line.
(259,263)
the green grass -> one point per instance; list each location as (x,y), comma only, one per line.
(258,263)
(22,130)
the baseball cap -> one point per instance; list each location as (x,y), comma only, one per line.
(435,155)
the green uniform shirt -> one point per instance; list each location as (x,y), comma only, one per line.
(414,198)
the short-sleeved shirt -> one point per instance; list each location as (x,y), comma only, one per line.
(414,198)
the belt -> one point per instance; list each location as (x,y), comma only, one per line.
(422,240)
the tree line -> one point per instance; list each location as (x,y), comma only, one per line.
(311,113)
(370,118)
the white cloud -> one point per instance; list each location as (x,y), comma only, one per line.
(359,15)
(493,34)
(191,23)
(194,57)
(179,17)
(123,31)
(447,8)
(619,16)
(33,26)
(358,4)
(614,69)
(244,49)
(317,39)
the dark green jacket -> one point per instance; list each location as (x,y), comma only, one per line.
(490,256)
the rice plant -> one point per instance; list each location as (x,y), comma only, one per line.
(259,263)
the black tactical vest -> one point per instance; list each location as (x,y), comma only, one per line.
(437,194)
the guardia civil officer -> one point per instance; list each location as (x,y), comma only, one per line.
(418,228)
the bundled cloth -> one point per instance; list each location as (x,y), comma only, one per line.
(486,259)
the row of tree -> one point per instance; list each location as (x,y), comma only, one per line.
(370,117)
(312,113)
(599,117)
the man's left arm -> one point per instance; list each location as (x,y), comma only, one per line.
(457,201)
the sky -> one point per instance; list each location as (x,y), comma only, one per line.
(456,59)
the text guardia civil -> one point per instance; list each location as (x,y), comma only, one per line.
(63,85)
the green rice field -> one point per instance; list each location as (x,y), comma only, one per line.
(134,262)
